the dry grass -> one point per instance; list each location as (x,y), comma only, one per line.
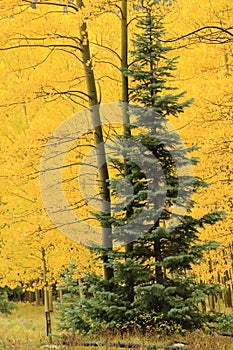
(25,330)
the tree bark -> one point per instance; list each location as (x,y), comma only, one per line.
(126,122)
(124,56)
(158,258)
(46,296)
(100,148)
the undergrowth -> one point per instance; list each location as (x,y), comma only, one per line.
(24,329)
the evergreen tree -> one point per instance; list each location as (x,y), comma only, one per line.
(6,306)
(159,263)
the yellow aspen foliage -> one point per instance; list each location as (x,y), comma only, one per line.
(42,83)
(205,69)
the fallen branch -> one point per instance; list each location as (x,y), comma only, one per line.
(135,345)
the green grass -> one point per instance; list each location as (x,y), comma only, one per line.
(24,329)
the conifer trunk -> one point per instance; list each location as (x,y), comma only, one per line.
(158,259)
(159,275)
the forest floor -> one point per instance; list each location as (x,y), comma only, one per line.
(24,329)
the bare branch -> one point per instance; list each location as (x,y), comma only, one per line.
(69,5)
(107,48)
(108,62)
(48,46)
(226,31)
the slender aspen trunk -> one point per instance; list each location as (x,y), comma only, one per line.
(50,296)
(100,148)
(124,56)
(60,295)
(126,120)
(37,297)
(46,296)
